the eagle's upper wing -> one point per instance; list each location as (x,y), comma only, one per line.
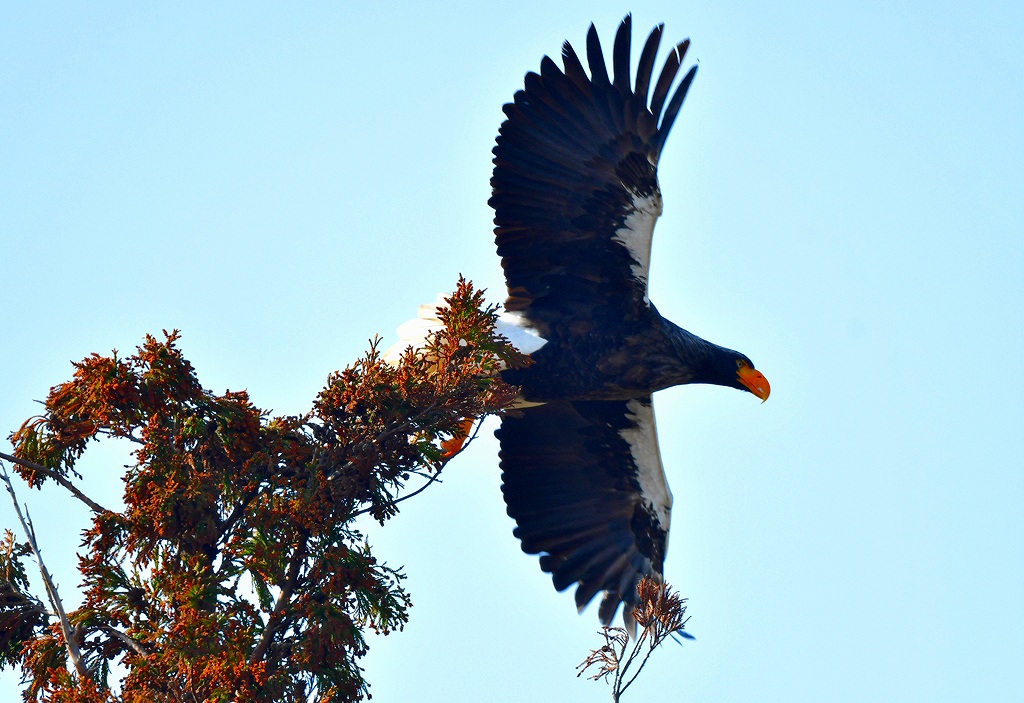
(575,182)
(584,482)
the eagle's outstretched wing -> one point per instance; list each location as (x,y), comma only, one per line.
(584,482)
(575,187)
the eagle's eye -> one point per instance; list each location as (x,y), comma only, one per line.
(741,364)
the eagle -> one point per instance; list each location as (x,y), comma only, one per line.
(576,197)
(575,194)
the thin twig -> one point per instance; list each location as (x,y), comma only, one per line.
(433,477)
(120,435)
(51,589)
(50,473)
(128,641)
(647,655)
(27,601)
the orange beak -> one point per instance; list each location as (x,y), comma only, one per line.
(755,382)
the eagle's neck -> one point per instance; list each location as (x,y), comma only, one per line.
(700,361)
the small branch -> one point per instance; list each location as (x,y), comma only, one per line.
(130,642)
(632,656)
(130,437)
(273,624)
(433,477)
(51,590)
(400,427)
(26,601)
(50,473)
(633,653)
(227,523)
(661,613)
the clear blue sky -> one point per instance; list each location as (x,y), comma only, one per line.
(844,198)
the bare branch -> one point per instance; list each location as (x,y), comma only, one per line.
(130,642)
(621,687)
(51,590)
(50,473)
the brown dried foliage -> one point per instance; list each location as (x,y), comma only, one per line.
(235,572)
(659,614)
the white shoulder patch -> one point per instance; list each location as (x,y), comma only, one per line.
(643,445)
(638,231)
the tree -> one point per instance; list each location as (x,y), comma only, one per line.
(235,571)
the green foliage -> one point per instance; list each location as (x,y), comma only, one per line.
(235,571)
(20,614)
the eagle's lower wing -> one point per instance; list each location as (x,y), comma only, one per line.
(584,482)
(575,183)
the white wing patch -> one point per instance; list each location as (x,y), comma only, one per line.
(638,231)
(517,330)
(415,332)
(643,445)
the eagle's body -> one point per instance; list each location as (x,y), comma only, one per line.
(612,363)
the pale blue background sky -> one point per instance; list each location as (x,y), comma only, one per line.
(844,196)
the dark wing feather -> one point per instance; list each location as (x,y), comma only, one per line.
(595,57)
(584,483)
(673,108)
(668,74)
(575,187)
(646,66)
(620,54)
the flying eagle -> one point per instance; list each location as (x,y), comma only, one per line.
(576,197)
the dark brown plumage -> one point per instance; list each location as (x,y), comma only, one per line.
(576,196)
